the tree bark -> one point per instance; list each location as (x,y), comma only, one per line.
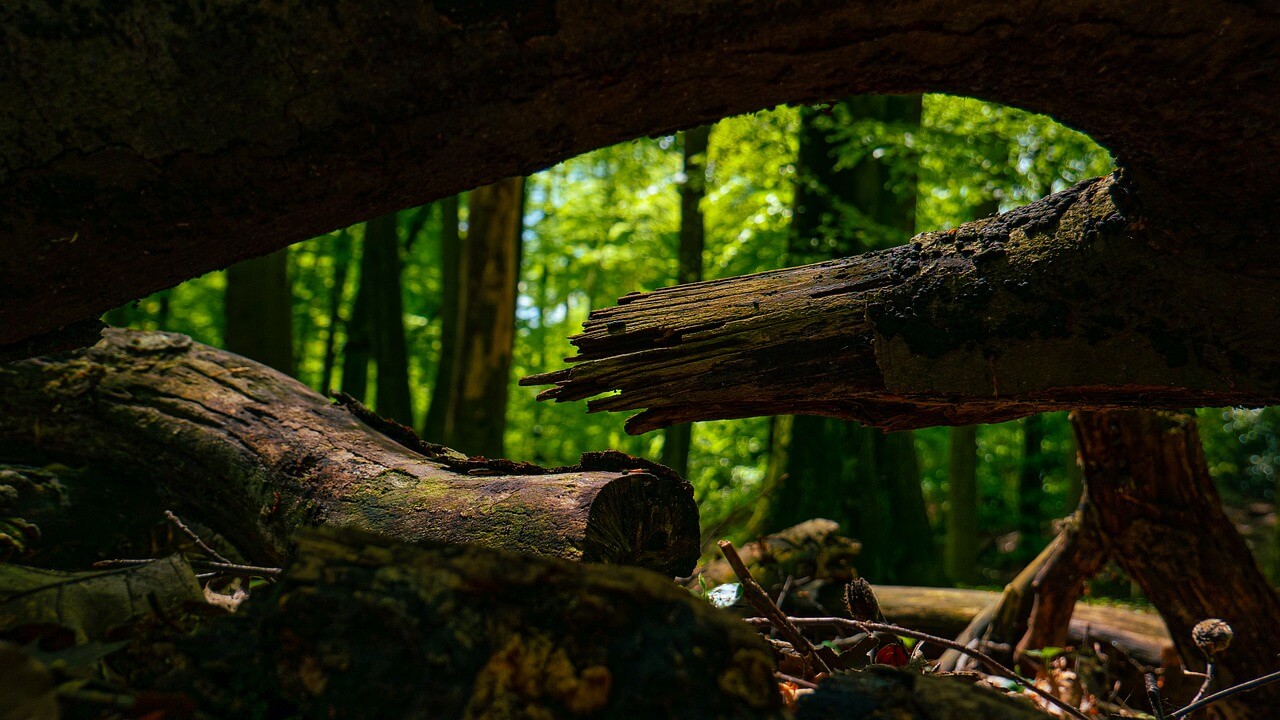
(259,311)
(363,627)
(693,239)
(1063,303)
(256,455)
(123,171)
(477,416)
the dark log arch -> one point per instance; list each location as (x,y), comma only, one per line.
(144,143)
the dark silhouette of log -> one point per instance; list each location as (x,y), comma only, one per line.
(146,145)
(1064,303)
(885,692)
(256,455)
(363,627)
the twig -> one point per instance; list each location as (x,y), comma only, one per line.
(995,667)
(195,538)
(1224,694)
(228,568)
(1153,695)
(760,602)
(794,680)
(1204,687)
(786,587)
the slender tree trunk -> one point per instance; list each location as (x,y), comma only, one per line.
(380,274)
(1030,480)
(341,263)
(451,271)
(259,310)
(677,440)
(476,417)
(359,346)
(962,496)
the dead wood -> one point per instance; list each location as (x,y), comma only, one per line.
(256,455)
(1066,303)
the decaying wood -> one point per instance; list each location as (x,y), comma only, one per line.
(1065,303)
(363,627)
(813,549)
(256,455)
(141,146)
(887,693)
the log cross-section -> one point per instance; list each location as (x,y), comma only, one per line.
(1065,303)
(257,455)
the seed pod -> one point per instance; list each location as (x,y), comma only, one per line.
(1212,636)
(860,601)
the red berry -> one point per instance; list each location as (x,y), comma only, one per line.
(892,654)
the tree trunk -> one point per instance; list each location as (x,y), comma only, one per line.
(962,503)
(1150,504)
(259,310)
(1030,478)
(256,455)
(357,351)
(123,173)
(478,400)
(451,272)
(1148,489)
(1064,303)
(677,440)
(341,262)
(363,627)
(380,274)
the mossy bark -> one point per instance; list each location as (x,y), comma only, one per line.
(256,455)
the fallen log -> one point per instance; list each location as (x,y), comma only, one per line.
(364,627)
(255,455)
(1065,303)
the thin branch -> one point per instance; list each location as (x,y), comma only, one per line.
(195,538)
(1224,694)
(227,568)
(760,602)
(1204,687)
(995,667)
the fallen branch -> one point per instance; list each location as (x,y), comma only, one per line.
(1061,304)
